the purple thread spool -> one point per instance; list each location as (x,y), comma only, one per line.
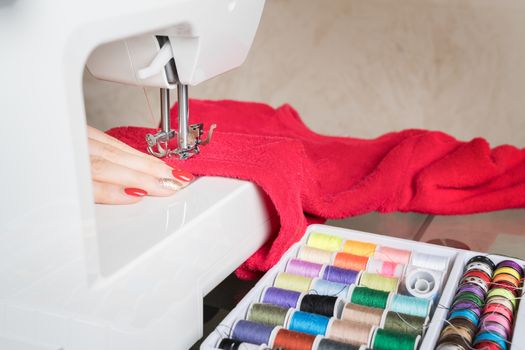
(512,264)
(467,304)
(494,328)
(251,332)
(339,275)
(473,288)
(303,268)
(281,297)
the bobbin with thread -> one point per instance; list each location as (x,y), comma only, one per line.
(315,255)
(400,256)
(304,268)
(385,268)
(423,283)
(281,297)
(285,280)
(268,314)
(350,332)
(382,339)
(379,282)
(363,314)
(429,261)
(369,297)
(322,304)
(325,241)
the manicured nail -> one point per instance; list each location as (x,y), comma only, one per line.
(170,184)
(137,192)
(182,175)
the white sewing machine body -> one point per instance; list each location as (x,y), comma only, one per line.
(78,276)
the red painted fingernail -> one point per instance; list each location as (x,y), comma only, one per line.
(137,192)
(182,175)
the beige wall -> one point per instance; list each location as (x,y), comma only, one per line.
(365,67)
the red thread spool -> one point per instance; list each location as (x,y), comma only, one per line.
(350,261)
(291,340)
(499,309)
(487,346)
(479,274)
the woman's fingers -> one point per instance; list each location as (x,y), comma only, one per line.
(102,137)
(105,171)
(106,193)
(115,155)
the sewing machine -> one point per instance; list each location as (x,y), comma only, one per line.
(74,275)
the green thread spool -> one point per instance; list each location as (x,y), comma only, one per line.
(472,297)
(267,314)
(325,242)
(501,292)
(288,281)
(369,297)
(388,340)
(379,282)
(403,323)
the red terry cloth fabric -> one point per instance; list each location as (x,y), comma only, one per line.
(305,173)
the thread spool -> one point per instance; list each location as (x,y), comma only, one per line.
(322,305)
(231,344)
(285,280)
(350,332)
(268,314)
(402,323)
(363,314)
(389,340)
(339,275)
(507,270)
(409,305)
(368,297)
(350,261)
(502,292)
(359,248)
(325,242)
(280,297)
(479,266)
(251,332)
(315,255)
(429,261)
(385,268)
(334,289)
(308,323)
(423,283)
(290,340)
(378,282)
(330,344)
(490,338)
(303,268)
(399,256)
(512,264)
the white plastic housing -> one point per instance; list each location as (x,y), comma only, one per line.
(78,276)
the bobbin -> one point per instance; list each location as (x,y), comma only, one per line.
(423,283)
(482,259)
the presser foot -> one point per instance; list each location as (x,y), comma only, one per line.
(158,144)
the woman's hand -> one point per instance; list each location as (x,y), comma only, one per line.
(123,175)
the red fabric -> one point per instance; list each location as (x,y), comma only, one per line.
(305,173)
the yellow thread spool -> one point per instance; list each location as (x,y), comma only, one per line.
(326,242)
(508,271)
(315,255)
(379,282)
(359,248)
(296,283)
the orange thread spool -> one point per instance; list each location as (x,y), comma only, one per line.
(351,261)
(359,248)
(291,340)
(505,278)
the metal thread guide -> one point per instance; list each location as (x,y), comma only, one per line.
(188,136)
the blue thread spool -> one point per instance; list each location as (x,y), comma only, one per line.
(413,306)
(334,289)
(340,275)
(308,323)
(251,332)
(491,337)
(466,314)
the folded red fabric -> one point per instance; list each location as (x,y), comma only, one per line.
(308,175)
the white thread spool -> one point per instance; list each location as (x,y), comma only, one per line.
(423,283)
(429,261)
(375,265)
(315,255)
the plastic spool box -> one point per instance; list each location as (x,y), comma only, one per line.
(457,260)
